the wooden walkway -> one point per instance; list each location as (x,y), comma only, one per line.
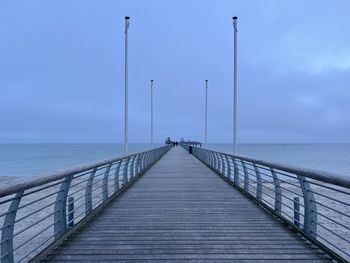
(180,211)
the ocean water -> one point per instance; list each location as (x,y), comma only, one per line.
(25,160)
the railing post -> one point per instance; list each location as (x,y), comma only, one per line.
(144,161)
(133,166)
(296,205)
(148,160)
(278,192)
(246,176)
(218,156)
(105,183)
(70,223)
(60,216)
(228,167)
(216,161)
(139,163)
(223,164)
(116,176)
(125,170)
(258,182)
(210,159)
(7,232)
(235,173)
(88,193)
(310,214)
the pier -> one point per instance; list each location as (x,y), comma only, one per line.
(181,210)
(168,205)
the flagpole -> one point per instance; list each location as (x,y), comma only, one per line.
(206,114)
(152,113)
(235,86)
(126,86)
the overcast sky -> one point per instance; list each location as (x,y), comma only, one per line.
(62,70)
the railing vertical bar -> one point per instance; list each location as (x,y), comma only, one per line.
(228,168)
(116,176)
(88,192)
(310,213)
(246,176)
(7,232)
(278,192)
(258,183)
(105,183)
(236,173)
(60,215)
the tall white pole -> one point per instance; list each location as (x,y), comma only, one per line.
(126,86)
(152,113)
(206,114)
(235,86)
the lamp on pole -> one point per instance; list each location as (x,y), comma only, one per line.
(126,86)
(152,113)
(235,85)
(206,114)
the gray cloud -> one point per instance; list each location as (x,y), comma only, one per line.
(61,70)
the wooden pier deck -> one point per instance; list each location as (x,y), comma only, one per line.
(180,210)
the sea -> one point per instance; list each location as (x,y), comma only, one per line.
(26,160)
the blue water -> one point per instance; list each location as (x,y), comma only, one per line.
(24,160)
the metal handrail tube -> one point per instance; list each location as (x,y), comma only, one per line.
(327,177)
(332,209)
(31,238)
(339,236)
(342,250)
(34,212)
(330,219)
(28,227)
(40,180)
(40,189)
(333,199)
(318,190)
(42,243)
(36,200)
(49,194)
(77,191)
(330,188)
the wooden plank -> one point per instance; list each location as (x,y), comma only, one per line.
(181,210)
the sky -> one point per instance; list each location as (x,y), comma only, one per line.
(62,70)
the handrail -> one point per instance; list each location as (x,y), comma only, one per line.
(46,178)
(37,212)
(314,203)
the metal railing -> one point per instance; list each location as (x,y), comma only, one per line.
(314,203)
(36,213)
